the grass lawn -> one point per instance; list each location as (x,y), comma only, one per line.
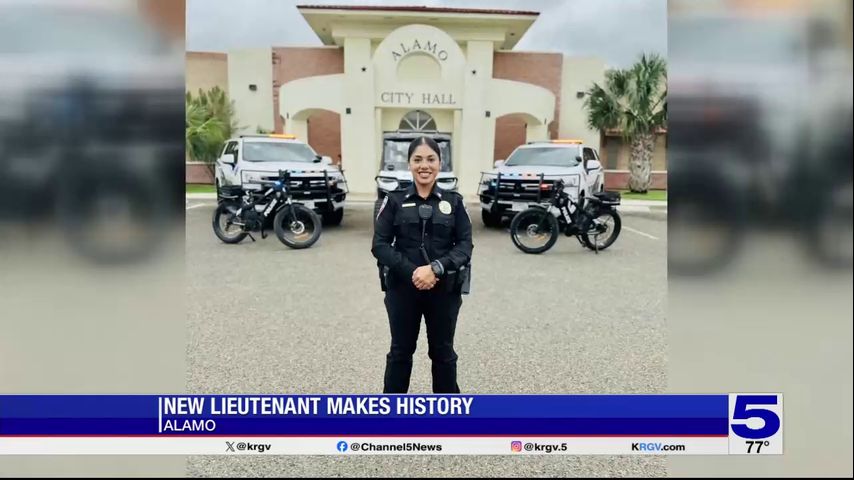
(200,188)
(660,195)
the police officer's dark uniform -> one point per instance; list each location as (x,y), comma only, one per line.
(397,246)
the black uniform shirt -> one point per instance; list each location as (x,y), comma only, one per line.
(397,231)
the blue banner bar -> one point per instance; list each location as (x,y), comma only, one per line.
(401,415)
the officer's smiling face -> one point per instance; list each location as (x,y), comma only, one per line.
(424,165)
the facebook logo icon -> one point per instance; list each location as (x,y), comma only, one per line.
(342,446)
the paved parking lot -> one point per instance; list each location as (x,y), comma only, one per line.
(265,318)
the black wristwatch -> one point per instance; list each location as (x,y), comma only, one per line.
(437,267)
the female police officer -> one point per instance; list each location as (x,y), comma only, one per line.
(422,241)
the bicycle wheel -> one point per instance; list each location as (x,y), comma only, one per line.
(603,230)
(534,230)
(223,223)
(297,226)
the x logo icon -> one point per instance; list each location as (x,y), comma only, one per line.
(229,446)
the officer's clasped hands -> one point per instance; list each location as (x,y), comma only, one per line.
(423,278)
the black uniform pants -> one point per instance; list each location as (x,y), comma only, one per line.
(405,306)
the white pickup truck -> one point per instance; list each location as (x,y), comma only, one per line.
(314,181)
(528,176)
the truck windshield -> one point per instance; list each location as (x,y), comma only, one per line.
(277,152)
(395,150)
(551,157)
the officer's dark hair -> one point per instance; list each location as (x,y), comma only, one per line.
(423,141)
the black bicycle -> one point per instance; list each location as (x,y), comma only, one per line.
(594,221)
(242,212)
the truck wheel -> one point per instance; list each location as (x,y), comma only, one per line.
(333,218)
(115,219)
(489,219)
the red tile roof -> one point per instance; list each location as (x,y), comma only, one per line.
(418,9)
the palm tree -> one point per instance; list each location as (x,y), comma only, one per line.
(209,122)
(633,101)
(219,106)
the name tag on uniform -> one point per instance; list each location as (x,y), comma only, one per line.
(408,204)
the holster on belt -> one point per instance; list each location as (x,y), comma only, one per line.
(458,281)
(383,270)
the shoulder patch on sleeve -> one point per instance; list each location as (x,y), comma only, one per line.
(382,207)
(460,204)
(461,201)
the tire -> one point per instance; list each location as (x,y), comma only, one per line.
(523,222)
(490,220)
(706,226)
(297,226)
(220,216)
(617,225)
(333,218)
(115,219)
(829,231)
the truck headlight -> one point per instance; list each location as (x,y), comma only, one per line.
(488,181)
(570,180)
(335,178)
(386,183)
(251,177)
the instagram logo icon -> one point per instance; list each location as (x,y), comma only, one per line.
(516,446)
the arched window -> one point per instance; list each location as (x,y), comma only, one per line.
(417,121)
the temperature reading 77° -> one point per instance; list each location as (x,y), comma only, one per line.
(756,443)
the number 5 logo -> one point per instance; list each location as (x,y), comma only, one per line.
(751,406)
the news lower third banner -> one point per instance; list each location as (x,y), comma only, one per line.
(392,424)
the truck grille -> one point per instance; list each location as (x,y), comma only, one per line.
(311,188)
(520,190)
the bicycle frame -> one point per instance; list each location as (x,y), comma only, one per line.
(571,218)
(278,190)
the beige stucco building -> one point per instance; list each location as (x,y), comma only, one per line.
(455,67)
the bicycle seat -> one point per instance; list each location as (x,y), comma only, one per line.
(608,197)
(231,191)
